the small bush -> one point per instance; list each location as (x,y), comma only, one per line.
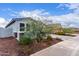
(49,37)
(25,40)
(60,33)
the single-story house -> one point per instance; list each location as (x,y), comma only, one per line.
(18,26)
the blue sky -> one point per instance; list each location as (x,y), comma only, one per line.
(64,13)
(51,8)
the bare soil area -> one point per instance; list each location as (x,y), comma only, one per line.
(35,47)
(10,47)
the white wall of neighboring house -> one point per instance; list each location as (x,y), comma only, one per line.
(17,23)
(13,28)
(5,32)
(16,27)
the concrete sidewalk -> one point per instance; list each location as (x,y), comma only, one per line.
(65,48)
(62,37)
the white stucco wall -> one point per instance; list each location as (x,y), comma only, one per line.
(16,27)
(5,32)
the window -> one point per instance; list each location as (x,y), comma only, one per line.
(28,27)
(21,34)
(22,27)
(15,35)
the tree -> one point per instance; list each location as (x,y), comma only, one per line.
(68,30)
(56,28)
(36,30)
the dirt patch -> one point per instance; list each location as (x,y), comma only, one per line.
(8,46)
(35,47)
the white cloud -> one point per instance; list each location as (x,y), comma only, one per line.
(3,22)
(67,20)
(73,25)
(71,6)
(34,13)
(71,19)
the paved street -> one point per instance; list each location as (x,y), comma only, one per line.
(68,47)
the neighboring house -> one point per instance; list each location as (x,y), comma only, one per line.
(18,26)
(5,32)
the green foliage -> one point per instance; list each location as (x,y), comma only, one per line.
(49,37)
(56,28)
(68,30)
(25,40)
(60,33)
(56,25)
(36,30)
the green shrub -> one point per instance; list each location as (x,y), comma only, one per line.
(49,37)
(25,40)
(60,33)
(68,30)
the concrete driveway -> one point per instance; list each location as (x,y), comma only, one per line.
(68,47)
(62,37)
